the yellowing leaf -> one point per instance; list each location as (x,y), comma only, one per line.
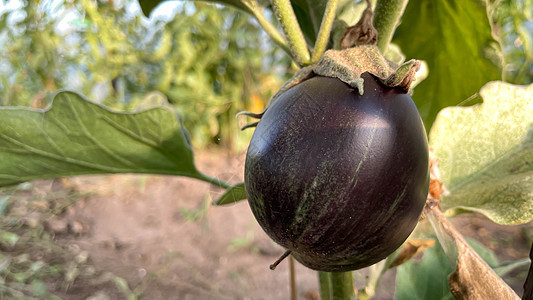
(485,154)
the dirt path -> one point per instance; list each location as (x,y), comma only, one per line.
(161,234)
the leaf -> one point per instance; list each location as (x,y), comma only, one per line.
(488,256)
(75,136)
(452,36)
(425,279)
(147,6)
(39,288)
(507,267)
(309,14)
(472,277)
(410,249)
(8,239)
(485,154)
(233,194)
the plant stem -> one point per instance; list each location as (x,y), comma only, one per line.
(342,286)
(293,33)
(376,273)
(387,14)
(292,272)
(270,29)
(325,30)
(212,180)
(324,278)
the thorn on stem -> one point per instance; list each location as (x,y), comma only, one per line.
(282,257)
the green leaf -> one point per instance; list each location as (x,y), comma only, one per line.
(488,256)
(425,279)
(233,194)
(507,267)
(309,14)
(485,154)
(147,6)
(428,278)
(453,37)
(39,288)
(75,136)
(8,239)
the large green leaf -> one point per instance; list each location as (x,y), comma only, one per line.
(453,37)
(485,154)
(75,136)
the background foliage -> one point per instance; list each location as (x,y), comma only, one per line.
(209,61)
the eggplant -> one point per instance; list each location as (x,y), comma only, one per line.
(337,178)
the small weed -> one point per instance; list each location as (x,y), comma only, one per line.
(198,214)
(246,242)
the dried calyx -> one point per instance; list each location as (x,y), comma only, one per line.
(350,63)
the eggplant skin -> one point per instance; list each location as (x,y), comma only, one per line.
(338,178)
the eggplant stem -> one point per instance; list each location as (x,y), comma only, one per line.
(282,257)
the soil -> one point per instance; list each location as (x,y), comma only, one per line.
(161,235)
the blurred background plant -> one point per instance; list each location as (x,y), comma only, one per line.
(209,61)
(512,22)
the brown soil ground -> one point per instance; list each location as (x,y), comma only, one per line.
(162,237)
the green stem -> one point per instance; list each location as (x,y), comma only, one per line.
(324,278)
(212,180)
(293,33)
(342,286)
(325,30)
(387,14)
(270,29)
(376,272)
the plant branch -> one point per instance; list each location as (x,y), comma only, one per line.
(270,29)
(387,14)
(325,30)
(324,278)
(293,33)
(342,285)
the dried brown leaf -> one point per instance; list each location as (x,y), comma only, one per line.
(410,249)
(473,278)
